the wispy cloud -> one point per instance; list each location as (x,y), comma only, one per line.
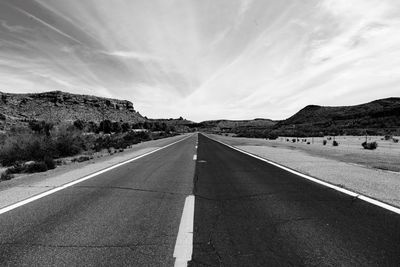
(133,55)
(33,17)
(13,28)
(205,59)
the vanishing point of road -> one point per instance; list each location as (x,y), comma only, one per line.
(197,196)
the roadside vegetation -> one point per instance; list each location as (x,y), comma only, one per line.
(41,146)
(369,145)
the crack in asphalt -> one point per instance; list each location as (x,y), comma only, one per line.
(195,181)
(37,186)
(198,263)
(130,246)
(210,239)
(238,197)
(132,189)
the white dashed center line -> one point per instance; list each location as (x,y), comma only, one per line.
(184,242)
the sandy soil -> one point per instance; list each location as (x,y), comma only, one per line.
(385,157)
(347,166)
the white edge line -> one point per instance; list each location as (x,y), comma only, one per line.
(337,188)
(184,242)
(54,190)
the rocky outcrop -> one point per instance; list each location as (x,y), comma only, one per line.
(57,106)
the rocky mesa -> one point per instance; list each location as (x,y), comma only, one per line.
(57,106)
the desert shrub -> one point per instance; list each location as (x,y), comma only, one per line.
(41,127)
(50,163)
(6,176)
(36,126)
(395,140)
(37,167)
(106,126)
(272,136)
(10,152)
(36,147)
(308,143)
(92,127)
(159,135)
(146,125)
(370,146)
(68,143)
(81,159)
(3,138)
(101,142)
(2,117)
(59,162)
(335,143)
(388,137)
(24,147)
(324,142)
(16,168)
(115,141)
(134,138)
(79,124)
(125,127)
(116,127)
(19,129)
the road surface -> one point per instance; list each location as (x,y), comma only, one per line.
(247,213)
(250,213)
(128,216)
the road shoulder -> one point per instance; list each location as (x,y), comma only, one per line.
(381,185)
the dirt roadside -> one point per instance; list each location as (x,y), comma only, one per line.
(25,186)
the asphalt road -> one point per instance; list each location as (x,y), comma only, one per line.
(128,216)
(250,213)
(247,213)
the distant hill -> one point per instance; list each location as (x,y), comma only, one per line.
(180,124)
(377,117)
(57,106)
(252,128)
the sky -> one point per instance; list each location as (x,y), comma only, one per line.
(208,59)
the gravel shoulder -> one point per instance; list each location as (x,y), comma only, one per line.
(376,183)
(23,187)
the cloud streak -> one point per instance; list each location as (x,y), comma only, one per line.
(44,23)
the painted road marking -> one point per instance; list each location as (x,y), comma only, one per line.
(194,157)
(334,187)
(184,241)
(54,190)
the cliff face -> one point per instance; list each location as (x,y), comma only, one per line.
(57,106)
